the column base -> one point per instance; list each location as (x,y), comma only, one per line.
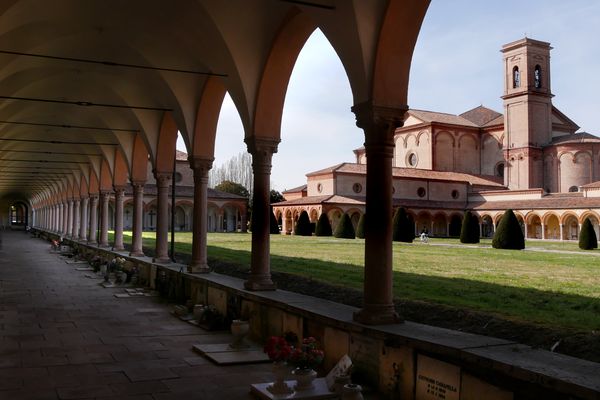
(198,269)
(161,260)
(137,254)
(256,283)
(377,314)
(119,248)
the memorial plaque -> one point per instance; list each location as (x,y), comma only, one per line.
(437,380)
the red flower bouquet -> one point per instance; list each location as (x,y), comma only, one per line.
(278,349)
(308,355)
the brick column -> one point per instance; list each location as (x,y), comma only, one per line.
(379,125)
(138,222)
(163,180)
(201,166)
(119,195)
(83,224)
(93,238)
(262,150)
(104,199)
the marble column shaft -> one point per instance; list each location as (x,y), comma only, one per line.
(104,200)
(138,219)
(262,150)
(93,238)
(83,224)
(119,197)
(201,167)
(163,180)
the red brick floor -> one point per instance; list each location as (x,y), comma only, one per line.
(62,336)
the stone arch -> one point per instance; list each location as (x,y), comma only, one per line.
(212,216)
(551,226)
(487,226)
(455,225)
(468,154)
(439,225)
(424,223)
(167,140)
(335,214)
(444,151)
(570,224)
(534,226)
(594,219)
(313,214)
(276,74)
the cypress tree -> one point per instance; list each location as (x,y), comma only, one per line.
(403,227)
(303,227)
(587,236)
(323,227)
(360,228)
(469,232)
(274,225)
(508,234)
(344,229)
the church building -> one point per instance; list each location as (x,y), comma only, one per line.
(531,159)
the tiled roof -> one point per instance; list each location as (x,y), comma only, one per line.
(181,156)
(543,203)
(415,173)
(296,189)
(496,121)
(303,200)
(592,185)
(444,118)
(481,115)
(580,137)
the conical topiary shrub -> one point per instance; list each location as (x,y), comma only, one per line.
(508,233)
(303,227)
(323,227)
(274,225)
(360,228)
(469,232)
(344,228)
(403,227)
(587,236)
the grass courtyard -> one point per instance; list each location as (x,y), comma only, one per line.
(551,283)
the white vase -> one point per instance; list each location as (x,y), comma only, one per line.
(304,378)
(279,386)
(239,329)
(352,392)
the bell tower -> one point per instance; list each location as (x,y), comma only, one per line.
(527,111)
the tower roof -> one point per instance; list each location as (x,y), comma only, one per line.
(480,115)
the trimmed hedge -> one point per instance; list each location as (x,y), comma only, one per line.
(344,229)
(508,233)
(323,227)
(403,227)
(587,236)
(469,232)
(303,227)
(360,228)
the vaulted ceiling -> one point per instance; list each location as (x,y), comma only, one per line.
(80,78)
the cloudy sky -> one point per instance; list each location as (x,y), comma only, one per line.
(456,66)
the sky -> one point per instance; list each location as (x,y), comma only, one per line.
(457,65)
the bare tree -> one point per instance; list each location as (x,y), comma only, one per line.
(237,169)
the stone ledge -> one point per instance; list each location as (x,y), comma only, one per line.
(551,371)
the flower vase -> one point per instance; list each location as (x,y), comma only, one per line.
(279,386)
(304,378)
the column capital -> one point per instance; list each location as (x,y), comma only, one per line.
(119,188)
(261,146)
(201,163)
(136,183)
(378,122)
(163,178)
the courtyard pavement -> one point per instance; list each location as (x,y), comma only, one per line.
(63,336)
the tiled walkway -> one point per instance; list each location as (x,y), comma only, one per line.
(62,336)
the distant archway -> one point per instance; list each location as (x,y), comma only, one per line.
(19,213)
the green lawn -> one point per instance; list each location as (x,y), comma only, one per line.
(551,288)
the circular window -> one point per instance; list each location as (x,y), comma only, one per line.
(178,177)
(412,160)
(421,192)
(455,194)
(357,187)
(319,188)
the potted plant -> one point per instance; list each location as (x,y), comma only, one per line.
(279,350)
(306,358)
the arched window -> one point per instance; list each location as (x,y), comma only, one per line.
(573,189)
(516,77)
(500,170)
(537,77)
